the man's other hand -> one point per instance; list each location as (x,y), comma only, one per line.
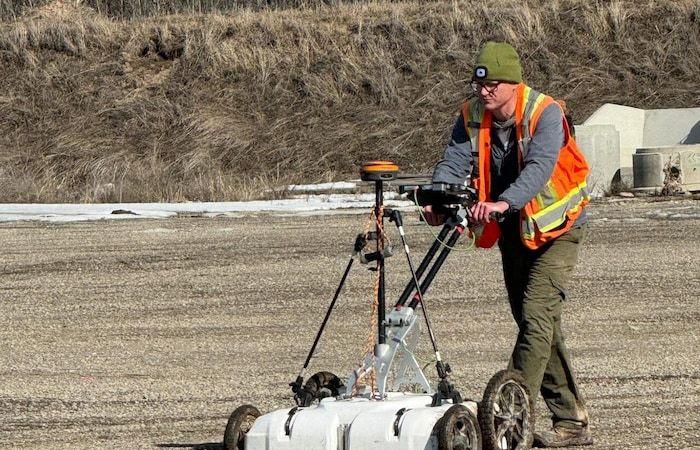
(481,212)
(431,217)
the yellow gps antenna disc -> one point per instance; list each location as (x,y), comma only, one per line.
(379,171)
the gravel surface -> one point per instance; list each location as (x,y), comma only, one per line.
(148,333)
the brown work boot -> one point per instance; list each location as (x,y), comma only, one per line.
(563,437)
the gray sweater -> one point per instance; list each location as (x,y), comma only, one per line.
(508,183)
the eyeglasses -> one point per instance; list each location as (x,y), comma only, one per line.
(490,86)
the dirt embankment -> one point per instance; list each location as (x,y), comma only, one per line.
(148,333)
(221,106)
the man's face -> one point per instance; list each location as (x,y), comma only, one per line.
(494,94)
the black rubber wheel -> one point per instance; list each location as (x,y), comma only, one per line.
(506,413)
(324,384)
(240,422)
(458,429)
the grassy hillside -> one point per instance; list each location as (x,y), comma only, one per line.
(224,105)
(141,8)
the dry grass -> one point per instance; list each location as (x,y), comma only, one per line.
(128,9)
(219,106)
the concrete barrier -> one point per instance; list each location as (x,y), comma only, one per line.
(668,169)
(669,126)
(600,145)
(628,121)
(641,129)
(690,168)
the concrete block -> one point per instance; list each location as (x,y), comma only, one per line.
(690,168)
(675,166)
(600,145)
(628,121)
(670,126)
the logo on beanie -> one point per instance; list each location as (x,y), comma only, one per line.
(480,72)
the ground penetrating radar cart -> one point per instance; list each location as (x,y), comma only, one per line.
(387,402)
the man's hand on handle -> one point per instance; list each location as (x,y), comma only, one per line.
(483,212)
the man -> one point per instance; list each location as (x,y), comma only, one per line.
(513,144)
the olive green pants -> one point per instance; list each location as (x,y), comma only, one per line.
(536,281)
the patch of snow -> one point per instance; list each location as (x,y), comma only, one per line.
(307,204)
(338,185)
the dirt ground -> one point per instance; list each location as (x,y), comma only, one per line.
(136,334)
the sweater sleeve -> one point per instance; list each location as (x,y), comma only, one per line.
(455,166)
(538,164)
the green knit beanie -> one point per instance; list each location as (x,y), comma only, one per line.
(498,61)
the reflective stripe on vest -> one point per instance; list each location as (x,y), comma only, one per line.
(553,215)
(531,100)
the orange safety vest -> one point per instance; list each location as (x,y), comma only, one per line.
(554,209)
